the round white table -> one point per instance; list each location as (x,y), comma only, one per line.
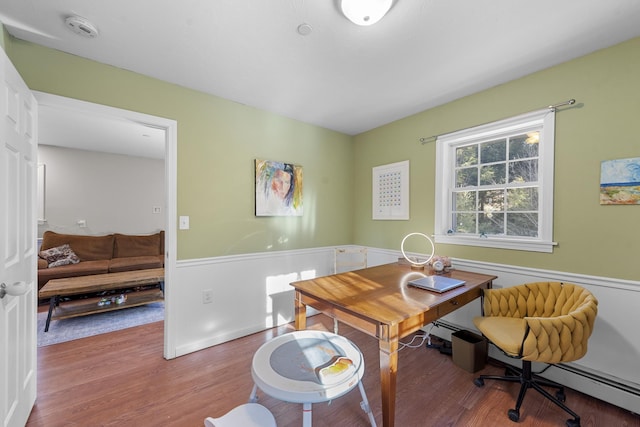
(309,367)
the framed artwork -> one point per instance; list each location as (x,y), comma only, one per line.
(391,191)
(620,182)
(278,188)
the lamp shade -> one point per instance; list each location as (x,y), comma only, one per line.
(365,12)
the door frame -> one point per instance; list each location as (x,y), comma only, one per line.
(170,127)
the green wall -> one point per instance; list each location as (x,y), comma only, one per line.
(3,36)
(592,239)
(218,141)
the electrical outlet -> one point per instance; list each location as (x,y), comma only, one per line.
(207,296)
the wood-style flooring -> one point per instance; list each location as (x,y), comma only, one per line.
(121,379)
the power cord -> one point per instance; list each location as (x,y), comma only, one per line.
(422,337)
(410,344)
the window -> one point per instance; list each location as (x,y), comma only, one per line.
(494,184)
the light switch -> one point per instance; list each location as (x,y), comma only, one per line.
(184,223)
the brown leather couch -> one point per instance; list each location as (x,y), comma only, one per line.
(102,254)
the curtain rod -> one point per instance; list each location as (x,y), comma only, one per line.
(553,107)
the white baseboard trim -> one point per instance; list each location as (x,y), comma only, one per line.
(217,339)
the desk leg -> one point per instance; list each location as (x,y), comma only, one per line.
(388,372)
(301,313)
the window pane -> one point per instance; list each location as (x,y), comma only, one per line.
(465,201)
(491,223)
(467,156)
(494,180)
(522,199)
(467,177)
(522,224)
(523,171)
(465,223)
(524,146)
(493,174)
(494,151)
(491,201)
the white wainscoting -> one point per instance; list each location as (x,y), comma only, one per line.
(251,293)
(609,371)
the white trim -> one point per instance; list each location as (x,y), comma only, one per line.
(445,150)
(496,129)
(536,273)
(226,259)
(170,236)
(171,142)
(497,242)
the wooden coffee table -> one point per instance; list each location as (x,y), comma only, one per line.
(57,288)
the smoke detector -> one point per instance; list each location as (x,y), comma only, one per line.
(81,26)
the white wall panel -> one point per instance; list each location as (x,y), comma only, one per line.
(111,193)
(251,293)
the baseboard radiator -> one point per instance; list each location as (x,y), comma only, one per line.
(594,384)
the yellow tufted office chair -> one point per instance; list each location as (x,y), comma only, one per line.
(547,322)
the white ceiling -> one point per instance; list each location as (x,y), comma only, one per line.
(64,124)
(341,76)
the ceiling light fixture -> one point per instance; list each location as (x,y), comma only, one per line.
(81,26)
(365,12)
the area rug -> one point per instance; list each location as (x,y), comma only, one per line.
(80,327)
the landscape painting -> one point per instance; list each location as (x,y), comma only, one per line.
(278,188)
(620,182)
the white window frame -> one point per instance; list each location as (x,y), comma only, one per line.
(445,181)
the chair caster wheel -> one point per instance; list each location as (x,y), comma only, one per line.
(479,382)
(573,422)
(561,396)
(514,415)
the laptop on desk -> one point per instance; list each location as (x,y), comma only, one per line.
(436,283)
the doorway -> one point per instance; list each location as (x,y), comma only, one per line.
(114,120)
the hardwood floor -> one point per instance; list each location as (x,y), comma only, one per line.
(122,379)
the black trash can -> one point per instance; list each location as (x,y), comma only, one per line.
(469,350)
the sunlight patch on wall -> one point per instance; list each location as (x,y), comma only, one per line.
(280,296)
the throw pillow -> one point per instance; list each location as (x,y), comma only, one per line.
(60,255)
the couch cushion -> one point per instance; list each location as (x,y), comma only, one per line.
(88,248)
(134,263)
(127,245)
(83,268)
(60,255)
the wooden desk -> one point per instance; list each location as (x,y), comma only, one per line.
(378,302)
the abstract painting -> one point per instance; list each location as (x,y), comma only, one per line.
(278,188)
(620,182)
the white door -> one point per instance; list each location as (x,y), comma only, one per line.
(18,168)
